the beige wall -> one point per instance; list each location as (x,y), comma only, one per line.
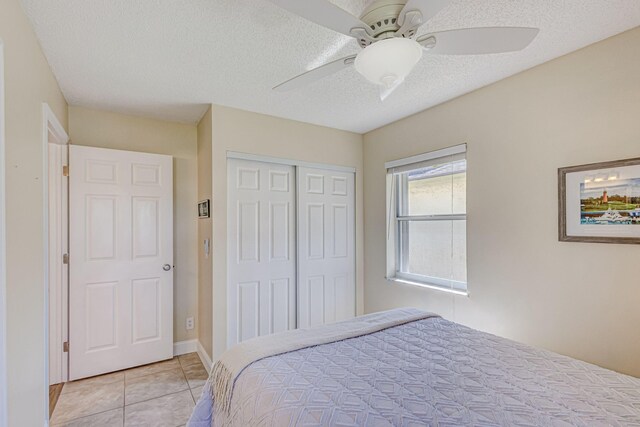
(574,298)
(28,83)
(205,265)
(236,130)
(122,132)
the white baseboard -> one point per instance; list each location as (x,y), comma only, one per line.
(193,346)
(184,347)
(204,357)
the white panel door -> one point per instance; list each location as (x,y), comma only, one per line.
(326,242)
(261,251)
(121,260)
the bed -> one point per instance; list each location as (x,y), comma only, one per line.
(406,367)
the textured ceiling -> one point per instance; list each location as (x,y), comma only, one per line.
(168,58)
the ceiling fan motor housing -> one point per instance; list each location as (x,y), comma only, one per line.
(382,17)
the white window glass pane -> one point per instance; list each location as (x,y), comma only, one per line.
(459,193)
(429,248)
(431,196)
(459,260)
(437,190)
(435,249)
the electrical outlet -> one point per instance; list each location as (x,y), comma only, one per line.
(189,323)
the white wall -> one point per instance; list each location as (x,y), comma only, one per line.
(123,132)
(578,299)
(28,83)
(3,246)
(236,130)
(205,265)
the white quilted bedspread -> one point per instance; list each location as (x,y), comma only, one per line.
(429,372)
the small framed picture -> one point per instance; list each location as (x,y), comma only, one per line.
(600,203)
(203,209)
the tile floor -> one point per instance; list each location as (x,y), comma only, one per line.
(160,394)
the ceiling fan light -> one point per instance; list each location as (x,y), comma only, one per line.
(389,61)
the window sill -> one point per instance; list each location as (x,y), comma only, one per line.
(428,286)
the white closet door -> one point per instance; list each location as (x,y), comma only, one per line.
(326,242)
(121,257)
(261,266)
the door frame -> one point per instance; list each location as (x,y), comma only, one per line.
(51,127)
(3,262)
(58,231)
(289,162)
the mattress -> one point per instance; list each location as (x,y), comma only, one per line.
(430,372)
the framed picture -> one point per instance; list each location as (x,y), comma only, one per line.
(203,209)
(600,203)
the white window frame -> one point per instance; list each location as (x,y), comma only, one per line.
(396,196)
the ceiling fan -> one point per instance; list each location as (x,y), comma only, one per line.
(387,31)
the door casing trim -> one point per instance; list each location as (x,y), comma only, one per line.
(50,126)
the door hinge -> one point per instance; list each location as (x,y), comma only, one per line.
(65,346)
(65,258)
(65,170)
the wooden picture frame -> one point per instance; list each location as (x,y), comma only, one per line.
(588,224)
(203,209)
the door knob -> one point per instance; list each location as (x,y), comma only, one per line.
(166,267)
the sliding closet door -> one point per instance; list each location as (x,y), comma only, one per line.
(326,242)
(261,254)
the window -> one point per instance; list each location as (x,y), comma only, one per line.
(427,211)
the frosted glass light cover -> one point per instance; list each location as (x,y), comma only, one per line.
(389,61)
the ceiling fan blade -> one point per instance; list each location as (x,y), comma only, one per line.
(315,74)
(427,8)
(324,13)
(478,41)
